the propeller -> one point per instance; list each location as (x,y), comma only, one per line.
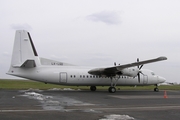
(139,70)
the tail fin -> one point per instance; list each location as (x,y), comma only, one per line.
(24,52)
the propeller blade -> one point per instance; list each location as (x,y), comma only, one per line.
(140,67)
(138,77)
(138,61)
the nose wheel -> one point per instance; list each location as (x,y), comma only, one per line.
(156,89)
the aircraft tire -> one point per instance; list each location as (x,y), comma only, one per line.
(112,89)
(156,90)
(93,88)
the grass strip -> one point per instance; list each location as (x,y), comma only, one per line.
(26,84)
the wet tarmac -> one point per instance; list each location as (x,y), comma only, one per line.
(71,104)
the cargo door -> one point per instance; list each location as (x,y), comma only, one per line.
(145,79)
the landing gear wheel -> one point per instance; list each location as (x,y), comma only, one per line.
(112,89)
(93,88)
(156,90)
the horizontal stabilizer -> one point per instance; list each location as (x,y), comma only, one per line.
(27,64)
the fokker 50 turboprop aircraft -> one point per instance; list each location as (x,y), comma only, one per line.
(26,63)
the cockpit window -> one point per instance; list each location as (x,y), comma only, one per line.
(152,73)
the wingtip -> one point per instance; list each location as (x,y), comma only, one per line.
(162,58)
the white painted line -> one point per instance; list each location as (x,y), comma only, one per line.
(107,108)
(134,108)
(144,96)
(22,110)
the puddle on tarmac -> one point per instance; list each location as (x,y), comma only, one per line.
(55,102)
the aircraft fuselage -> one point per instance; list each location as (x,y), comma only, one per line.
(79,76)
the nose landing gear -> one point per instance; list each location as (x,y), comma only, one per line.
(156,88)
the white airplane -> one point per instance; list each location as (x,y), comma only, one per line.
(26,63)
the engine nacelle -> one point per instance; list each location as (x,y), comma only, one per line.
(131,72)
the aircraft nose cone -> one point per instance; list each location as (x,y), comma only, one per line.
(161,79)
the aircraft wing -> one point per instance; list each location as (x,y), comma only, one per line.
(112,71)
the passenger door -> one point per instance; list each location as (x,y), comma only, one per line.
(63,77)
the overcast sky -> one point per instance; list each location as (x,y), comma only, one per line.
(96,32)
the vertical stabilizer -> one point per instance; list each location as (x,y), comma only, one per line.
(23,49)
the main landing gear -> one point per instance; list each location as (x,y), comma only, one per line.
(93,88)
(156,88)
(112,88)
